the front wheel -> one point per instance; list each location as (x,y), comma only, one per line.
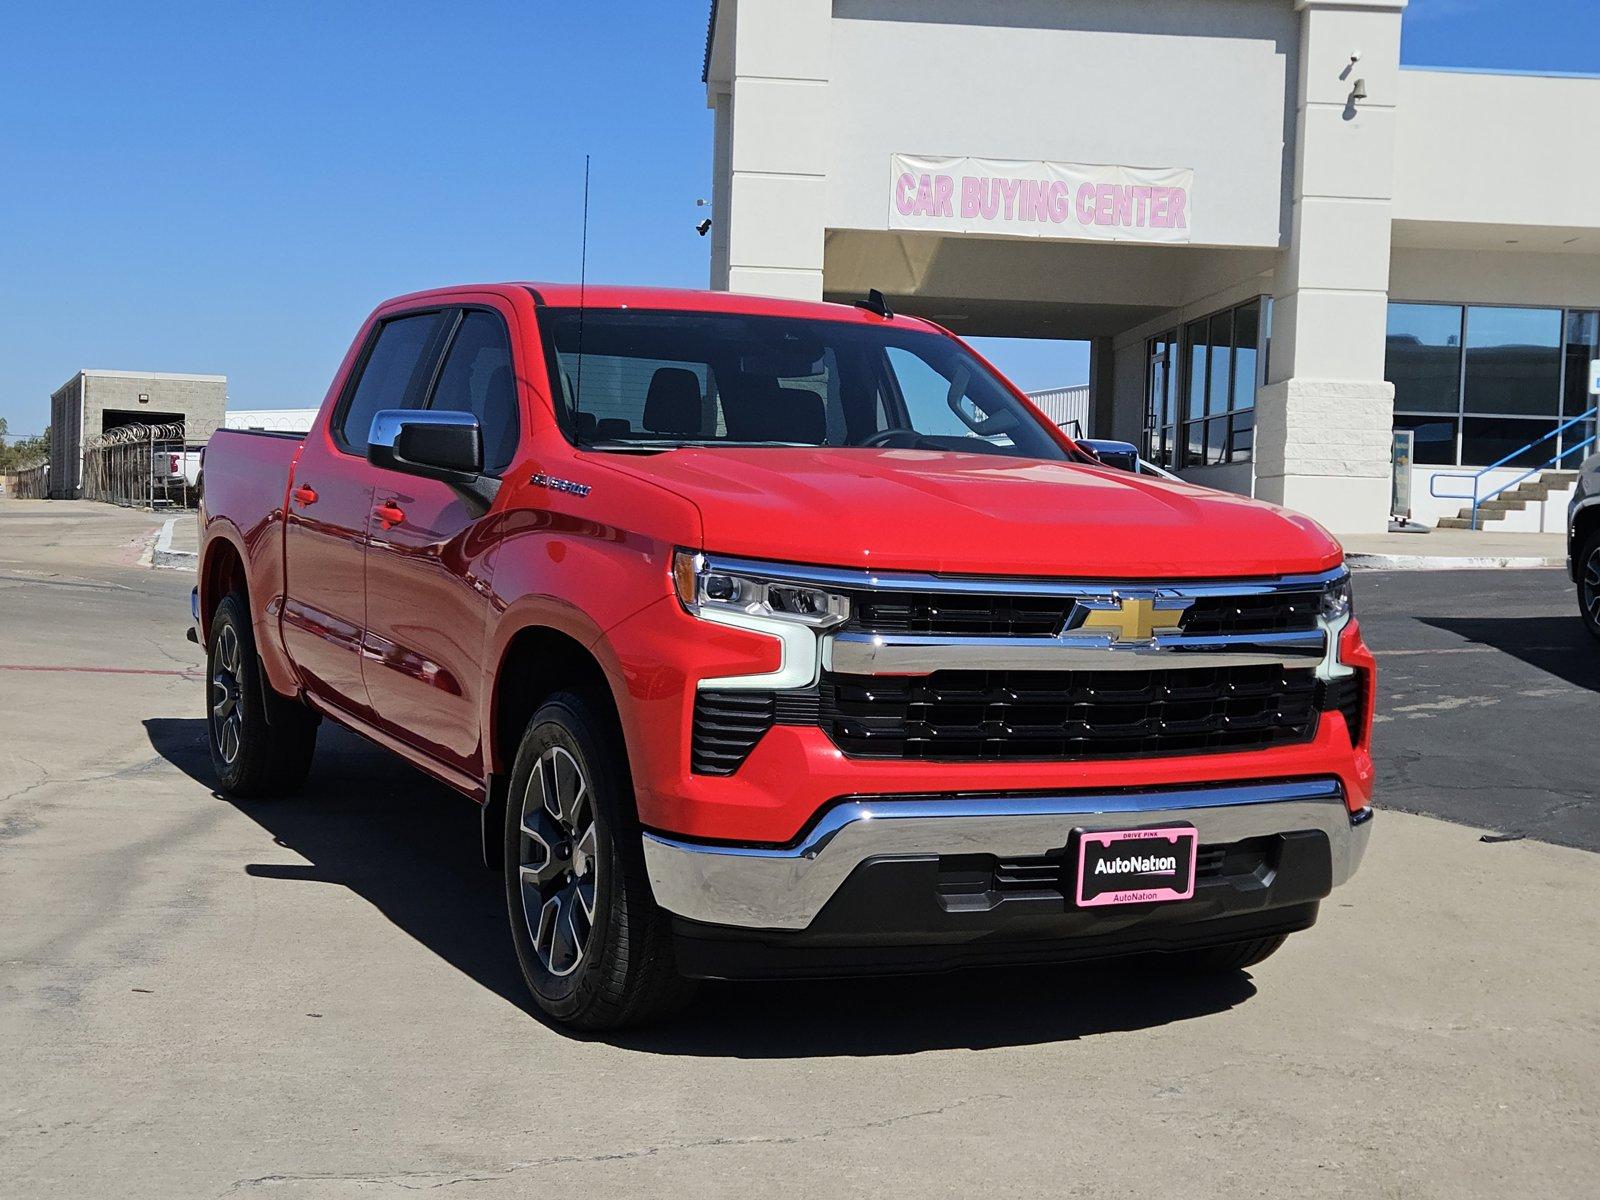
(1589,585)
(595,949)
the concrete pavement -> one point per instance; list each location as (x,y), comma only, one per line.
(317,997)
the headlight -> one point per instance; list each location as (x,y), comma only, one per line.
(703,588)
(1336,600)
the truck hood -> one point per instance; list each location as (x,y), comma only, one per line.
(977,514)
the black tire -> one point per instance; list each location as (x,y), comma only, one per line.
(1219,960)
(252,755)
(1588,572)
(595,948)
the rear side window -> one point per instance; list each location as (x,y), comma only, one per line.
(477,378)
(395,375)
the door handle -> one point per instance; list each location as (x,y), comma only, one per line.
(305,494)
(389,513)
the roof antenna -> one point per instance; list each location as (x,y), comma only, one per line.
(875,303)
(583,278)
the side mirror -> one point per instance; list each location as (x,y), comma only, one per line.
(447,446)
(1122,455)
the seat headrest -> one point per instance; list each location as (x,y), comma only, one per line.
(673,403)
(764,412)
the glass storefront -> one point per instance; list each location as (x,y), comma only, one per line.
(1201,390)
(1480,383)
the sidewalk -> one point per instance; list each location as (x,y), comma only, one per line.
(178,544)
(1454,550)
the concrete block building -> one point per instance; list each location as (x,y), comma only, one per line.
(93,402)
(1281,245)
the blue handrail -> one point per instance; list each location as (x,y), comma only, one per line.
(1477,476)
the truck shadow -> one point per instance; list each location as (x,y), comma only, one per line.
(1558,645)
(409,847)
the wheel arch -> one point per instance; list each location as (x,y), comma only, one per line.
(537,662)
(222,572)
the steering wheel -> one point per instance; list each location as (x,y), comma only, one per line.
(898,438)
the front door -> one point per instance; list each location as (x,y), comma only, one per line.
(427,577)
(330,507)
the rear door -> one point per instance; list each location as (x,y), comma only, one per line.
(427,575)
(330,509)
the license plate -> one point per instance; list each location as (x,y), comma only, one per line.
(1136,866)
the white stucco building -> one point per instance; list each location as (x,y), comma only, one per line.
(1280,244)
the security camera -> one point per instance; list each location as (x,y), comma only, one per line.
(703,226)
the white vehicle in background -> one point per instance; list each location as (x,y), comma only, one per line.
(172,468)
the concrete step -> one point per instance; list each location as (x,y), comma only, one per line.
(1503,503)
(1454,523)
(1559,479)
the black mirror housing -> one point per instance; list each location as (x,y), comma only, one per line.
(447,446)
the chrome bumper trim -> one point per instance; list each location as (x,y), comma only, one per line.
(912,654)
(785,888)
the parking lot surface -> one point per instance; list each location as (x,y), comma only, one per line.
(317,997)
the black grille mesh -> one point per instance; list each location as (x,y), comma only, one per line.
(985,614)
(1285,612)
(963,614)
(727,726)
(1064,715)
(1348,697)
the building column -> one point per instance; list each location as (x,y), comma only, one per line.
(774,110)
(1325,415)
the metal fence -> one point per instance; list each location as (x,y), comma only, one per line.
(142,466)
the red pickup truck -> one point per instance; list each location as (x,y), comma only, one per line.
(779,638)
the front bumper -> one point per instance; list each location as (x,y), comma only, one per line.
(786,888)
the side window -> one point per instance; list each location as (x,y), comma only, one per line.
(477,378)
(927,396)
(394,376)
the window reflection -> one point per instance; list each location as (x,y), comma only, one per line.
(1423,357)
(1513,361)
(1211,378)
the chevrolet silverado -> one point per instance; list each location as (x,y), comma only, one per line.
(779,639)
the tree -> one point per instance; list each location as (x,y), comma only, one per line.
(22,453)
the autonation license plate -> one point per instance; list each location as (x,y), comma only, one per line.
(1136,866)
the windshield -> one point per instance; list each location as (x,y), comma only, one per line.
(658,380)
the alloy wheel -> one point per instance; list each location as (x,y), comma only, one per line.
(227,696)
(560,866)
(1589,587)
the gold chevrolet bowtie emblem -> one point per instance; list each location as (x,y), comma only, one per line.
(1133,618)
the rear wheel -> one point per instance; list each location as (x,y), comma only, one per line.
(252,755)
(595,949)
(1589,585)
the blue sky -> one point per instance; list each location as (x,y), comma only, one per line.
(230,187)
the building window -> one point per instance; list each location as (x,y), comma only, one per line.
(1161,408)
(1201,390)
(1480,383)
